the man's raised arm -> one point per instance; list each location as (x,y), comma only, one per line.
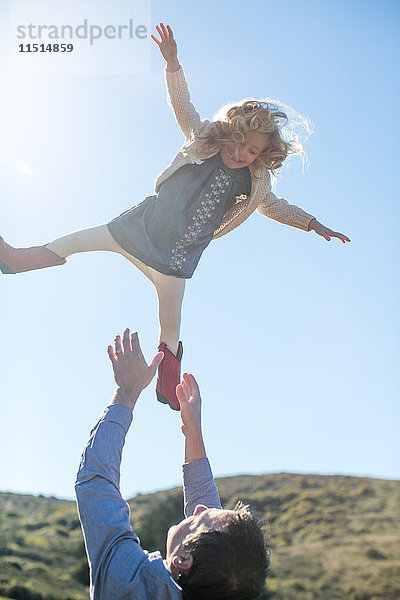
(198,481)
(112,547)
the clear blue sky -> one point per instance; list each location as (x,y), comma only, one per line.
(294,340)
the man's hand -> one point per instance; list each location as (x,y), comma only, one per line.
(325,232)
(188,394)
(167,47)
(131,372)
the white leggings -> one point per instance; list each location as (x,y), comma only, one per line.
(170,290)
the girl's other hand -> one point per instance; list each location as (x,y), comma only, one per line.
(167,46)
(325,232)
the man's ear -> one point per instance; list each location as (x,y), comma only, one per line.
(182,564)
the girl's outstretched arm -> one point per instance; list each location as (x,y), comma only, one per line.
(282,211)
(178,99)
(325,232)
(168,48)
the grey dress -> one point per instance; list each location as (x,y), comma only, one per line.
(169,231)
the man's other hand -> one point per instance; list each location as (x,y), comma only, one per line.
(131,372)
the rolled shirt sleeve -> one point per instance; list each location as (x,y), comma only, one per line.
(199,486)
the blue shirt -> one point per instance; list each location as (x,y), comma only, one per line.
(119,567)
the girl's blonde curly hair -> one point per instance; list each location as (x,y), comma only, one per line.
(234,120)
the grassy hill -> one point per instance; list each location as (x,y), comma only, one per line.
(332,537)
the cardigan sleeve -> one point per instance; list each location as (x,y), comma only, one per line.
(178,98)
(282,211)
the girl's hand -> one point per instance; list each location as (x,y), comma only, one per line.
(167,46)
(325,232)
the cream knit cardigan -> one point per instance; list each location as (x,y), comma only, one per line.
(261,197)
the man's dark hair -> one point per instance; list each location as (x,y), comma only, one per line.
(231,564)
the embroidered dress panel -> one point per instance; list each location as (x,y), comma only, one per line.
(203,214)
(169,231)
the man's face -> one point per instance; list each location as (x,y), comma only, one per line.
(203,518)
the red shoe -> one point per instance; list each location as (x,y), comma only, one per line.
(17,260)
(169,375)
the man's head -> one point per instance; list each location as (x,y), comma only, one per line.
(217,554)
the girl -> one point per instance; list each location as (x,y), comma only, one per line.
(217,179)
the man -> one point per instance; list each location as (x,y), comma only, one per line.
(213,553)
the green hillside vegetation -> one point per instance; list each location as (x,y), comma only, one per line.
(332,537)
